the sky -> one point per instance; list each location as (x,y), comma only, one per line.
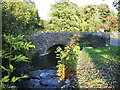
(44,6)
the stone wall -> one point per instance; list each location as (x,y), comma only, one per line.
(43,41)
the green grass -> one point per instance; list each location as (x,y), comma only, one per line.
(98,66)
(105,55)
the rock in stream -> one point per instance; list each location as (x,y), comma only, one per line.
(43,79)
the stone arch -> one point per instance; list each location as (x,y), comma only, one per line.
(45,41)
(54,47)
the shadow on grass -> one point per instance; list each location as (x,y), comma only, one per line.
(100,67)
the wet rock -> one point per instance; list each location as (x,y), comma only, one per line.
(67,81)
(51,82)
(64,86)
(43,75)
(14,86)
(48,73)
(46,78)
(36,83)
(49,78)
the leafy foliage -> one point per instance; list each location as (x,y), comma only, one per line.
(68,59)
(112,23)
(12,53)
(63,17)
(19,17)
(104,12)
(67,16)
(6,79)
(14,46)
(116,4)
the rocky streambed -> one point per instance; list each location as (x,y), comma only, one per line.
(45,79)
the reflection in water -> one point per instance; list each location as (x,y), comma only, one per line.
(44,62)
(47,61)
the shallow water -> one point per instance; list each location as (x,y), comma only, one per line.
(42,79)
(43,74)
(44,62)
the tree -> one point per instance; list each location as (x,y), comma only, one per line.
(90,18)
(67,16)
(64,17)
(61,1)
(104,11)
(19,17)
(116,4)
(112,23)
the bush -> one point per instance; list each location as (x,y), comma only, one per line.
(68,61)
(68,58)
(12,52)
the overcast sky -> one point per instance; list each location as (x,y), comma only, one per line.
(44,6)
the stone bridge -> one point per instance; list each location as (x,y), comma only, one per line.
(44,41)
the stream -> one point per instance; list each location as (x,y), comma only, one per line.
(42,73)
(46,78)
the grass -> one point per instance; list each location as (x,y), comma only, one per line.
(99,67)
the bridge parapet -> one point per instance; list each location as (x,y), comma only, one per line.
(43,41)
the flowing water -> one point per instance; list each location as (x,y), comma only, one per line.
(44,74)
(44,62)
(47,61)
